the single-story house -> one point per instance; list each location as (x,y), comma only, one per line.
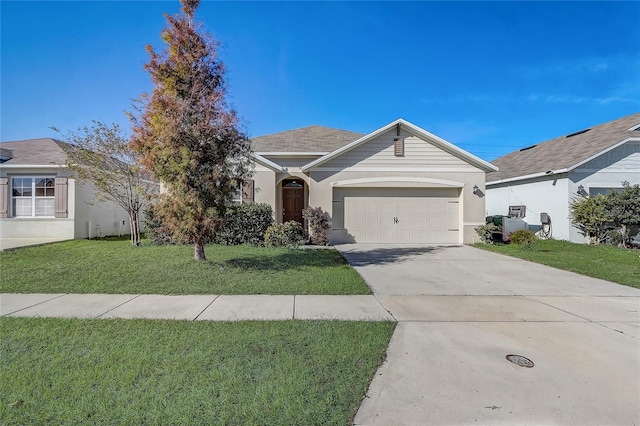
(397,184)
(544,178)
(39,198)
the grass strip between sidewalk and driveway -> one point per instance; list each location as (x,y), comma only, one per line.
(115,266)
(70,371)
(609,263)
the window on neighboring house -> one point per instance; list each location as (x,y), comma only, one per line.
(237,195)
(33,196)
(601,190)
(244,194)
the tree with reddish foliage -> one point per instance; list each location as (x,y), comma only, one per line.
(187,135)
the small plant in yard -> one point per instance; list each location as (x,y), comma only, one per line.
(318,225)
(522,237)
(485,232)
(288,234)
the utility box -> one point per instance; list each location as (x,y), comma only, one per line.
(510,225)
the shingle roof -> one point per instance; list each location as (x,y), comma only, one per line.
(305,139)
(45,152)
(564,152)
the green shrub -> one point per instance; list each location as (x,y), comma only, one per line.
(485,232)
(318,225)
(615,237)
(288,234)
(522,237)
(153,229)
(246,223)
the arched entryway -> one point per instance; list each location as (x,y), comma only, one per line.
(292,200)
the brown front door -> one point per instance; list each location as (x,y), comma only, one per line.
(293,203)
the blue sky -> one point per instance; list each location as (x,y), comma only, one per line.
(490,77)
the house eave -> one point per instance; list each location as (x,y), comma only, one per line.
(531,176)
(291,154)
(267,163)
(32,166)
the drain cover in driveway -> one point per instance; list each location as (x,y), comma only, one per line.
(520,360)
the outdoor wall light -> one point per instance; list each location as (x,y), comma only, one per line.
(475,189)
(581,190)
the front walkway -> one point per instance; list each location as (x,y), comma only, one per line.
(192,308)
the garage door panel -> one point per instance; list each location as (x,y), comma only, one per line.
(414,218)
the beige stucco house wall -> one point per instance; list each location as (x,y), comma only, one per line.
(398,184)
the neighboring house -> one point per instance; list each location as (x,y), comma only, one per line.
(544,178)
(40,199)
(398,184)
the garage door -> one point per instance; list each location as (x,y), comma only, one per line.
(402,216)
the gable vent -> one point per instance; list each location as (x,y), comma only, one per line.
(398,147)
(577,133)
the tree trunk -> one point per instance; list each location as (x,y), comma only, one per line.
(134,223)
(198,251)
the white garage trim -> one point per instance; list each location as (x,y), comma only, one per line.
(409,215)
(398,181)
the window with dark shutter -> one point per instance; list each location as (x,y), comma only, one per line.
(62,197)
(398,147)
(4,197)
(247,192)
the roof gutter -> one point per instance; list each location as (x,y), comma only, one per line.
(532,176)
(32,166)
(291,153)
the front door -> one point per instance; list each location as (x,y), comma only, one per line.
(292,201)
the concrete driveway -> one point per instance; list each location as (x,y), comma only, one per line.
(462,311)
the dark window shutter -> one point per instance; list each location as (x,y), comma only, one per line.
(4,197)
(62,197)
(247,192)
(398,147)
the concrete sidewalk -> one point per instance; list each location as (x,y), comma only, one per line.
(195,308)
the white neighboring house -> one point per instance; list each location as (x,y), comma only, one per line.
(545,177)
(39,198)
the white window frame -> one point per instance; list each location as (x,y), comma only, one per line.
(237,195)
(33,196)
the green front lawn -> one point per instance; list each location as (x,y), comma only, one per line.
(69,371)
(114,266)
(606,262)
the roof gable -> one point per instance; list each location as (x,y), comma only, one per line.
(402,125)
(311,139)
(567,152)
